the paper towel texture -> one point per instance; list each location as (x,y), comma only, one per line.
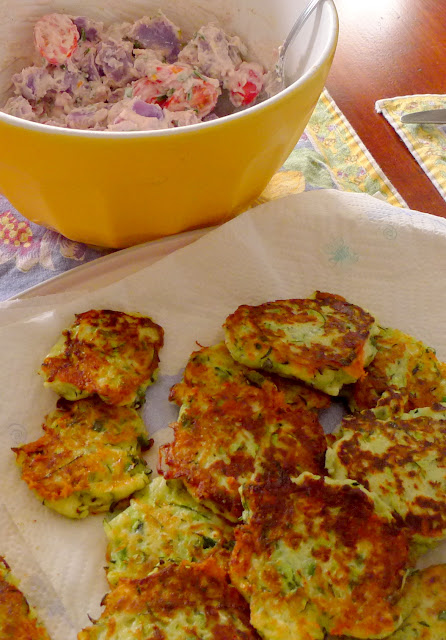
(391,261)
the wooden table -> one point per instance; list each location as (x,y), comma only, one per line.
(389,48)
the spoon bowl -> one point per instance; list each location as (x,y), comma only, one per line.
(276,82)
(297,26)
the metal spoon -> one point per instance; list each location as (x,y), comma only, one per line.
(311,6)
(225,107)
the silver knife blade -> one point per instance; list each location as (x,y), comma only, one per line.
(434,116)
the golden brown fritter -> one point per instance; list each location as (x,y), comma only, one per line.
(423,607)
(163,524)
(109,353)
(403,461)
(175,603)
(235,428)
(403,364)
(17,620)
(425,594)
(324,341)
(318,554)
(299,394)
(88,458)
(211,367)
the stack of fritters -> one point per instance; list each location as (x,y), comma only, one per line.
(17,620)
(90,455)
(236,424)
(168,561)
(247,533)
(403,461)
(404,365)
(176,602)
(318,554)
(315,555)
(324,341)
(423,605)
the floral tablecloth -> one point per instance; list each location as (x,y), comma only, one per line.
(328,155)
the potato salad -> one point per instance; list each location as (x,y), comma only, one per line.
(136,76)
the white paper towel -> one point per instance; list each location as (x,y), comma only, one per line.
(391,261)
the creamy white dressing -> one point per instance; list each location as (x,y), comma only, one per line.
(132,76)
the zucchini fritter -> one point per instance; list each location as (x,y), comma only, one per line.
(324,341)
(425,593)
(109,353)
(235,424)
(17,620)
(211,367)
(88,458)
(300,395)
(318,554)
(175,603)
(163,524)
(403,461)
(423,605)
(405,364)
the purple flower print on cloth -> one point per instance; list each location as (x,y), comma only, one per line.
(30,254)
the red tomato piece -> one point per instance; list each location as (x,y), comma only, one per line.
(178,88)
(202,98)
(56,37)
(149,88)
(249,93)
(245,84)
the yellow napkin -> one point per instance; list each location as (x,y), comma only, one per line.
(426,142)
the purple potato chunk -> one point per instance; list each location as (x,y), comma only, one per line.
(19,107)
(213,52)
(84,59)
(88,29)
(34,83)
(63,80)
(115,61)
(92,117)
(147,110)
(158,34)
(31,82)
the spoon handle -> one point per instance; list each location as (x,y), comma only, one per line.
(311,6)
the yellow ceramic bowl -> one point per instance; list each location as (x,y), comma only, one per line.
(117,189)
